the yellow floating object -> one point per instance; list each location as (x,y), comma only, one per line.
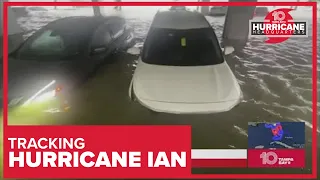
(66,108)
(183,42)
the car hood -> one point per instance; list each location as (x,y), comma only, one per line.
(196,84)
(27,77)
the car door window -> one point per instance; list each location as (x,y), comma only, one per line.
(101,37)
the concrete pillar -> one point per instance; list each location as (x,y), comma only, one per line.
(96,9)
(205,9)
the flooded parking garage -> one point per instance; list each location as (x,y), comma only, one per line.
(275,80)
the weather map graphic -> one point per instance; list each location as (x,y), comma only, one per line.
(276,130)
(280,135)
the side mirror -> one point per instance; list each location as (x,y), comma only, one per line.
(228,50)
(98,50)
(134,51)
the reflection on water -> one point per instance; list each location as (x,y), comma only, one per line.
(275,79)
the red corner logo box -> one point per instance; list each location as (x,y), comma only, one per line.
(277,158)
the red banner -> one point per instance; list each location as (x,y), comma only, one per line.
(285,158)
(97,151)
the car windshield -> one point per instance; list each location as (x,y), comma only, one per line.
(173,47)
(50,45)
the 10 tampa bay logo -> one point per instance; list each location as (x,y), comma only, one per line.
(278,26)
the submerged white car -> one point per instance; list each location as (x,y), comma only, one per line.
(182,69)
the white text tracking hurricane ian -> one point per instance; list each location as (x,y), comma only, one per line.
(276,79)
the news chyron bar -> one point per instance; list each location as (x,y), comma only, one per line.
(276,145)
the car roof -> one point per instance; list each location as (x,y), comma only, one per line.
(179,19)
(81,24)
